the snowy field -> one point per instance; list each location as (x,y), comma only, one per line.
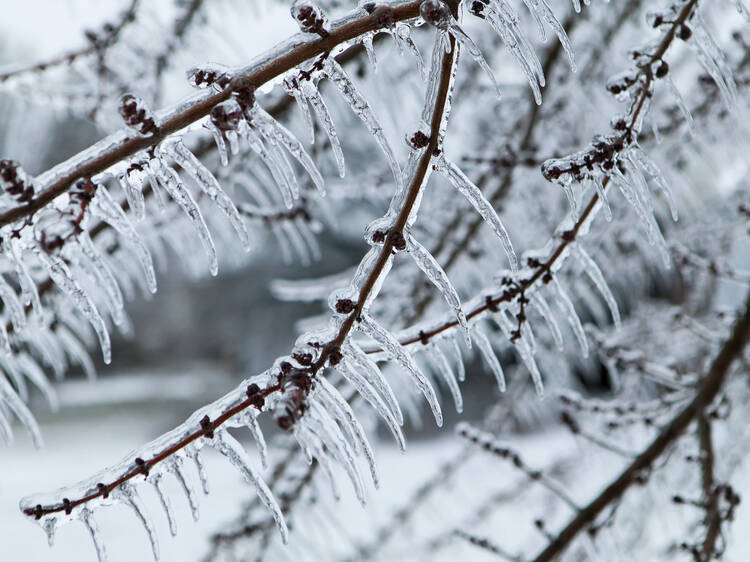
(91,431)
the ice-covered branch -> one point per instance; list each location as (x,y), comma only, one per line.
(712,384)
(122,145)
(239,407)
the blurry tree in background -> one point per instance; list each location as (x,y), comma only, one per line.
(558,190)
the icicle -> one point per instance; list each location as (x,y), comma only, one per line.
(271,160)
(172,184)
(86,517)
(524,348)
(444,368)
(103,274)
(566,182)
(76,351)
(485,348)
(251,421)
(438,14)
(5,429)
(133,194)
(49,527)
(294,89)
(602,194)
(395,350)
(320,423)
(650,167)
(165,503)
(8,396)
(461,370)
(176,468)
(201,469)
(321,112)
(549,318)
(374,399)
(475,196)
(349,419)
(130,496)
(714,60)
(12,304)
(333,408)
(431,268)
(209,185)
(374,376)
(370,50)
(60,274)
(682,106)
(362,109)
(541,10)
(229,447)
(596,276)
(221,145)
(284,137)
(505,23)
(402,35)
(29,292)
(567,308)
(312,448)
(111,212)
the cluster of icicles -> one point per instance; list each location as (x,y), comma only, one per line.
(328,431)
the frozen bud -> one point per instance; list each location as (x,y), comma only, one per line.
(51,233)
(309,17)
(243,92)
(214,75)
(436,13)
(226,116)
(137,115)
(15,182)
(419,140)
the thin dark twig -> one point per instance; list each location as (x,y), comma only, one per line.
(98,44)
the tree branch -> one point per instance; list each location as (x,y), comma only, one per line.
(711,386)
(121,145)
(255,397)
